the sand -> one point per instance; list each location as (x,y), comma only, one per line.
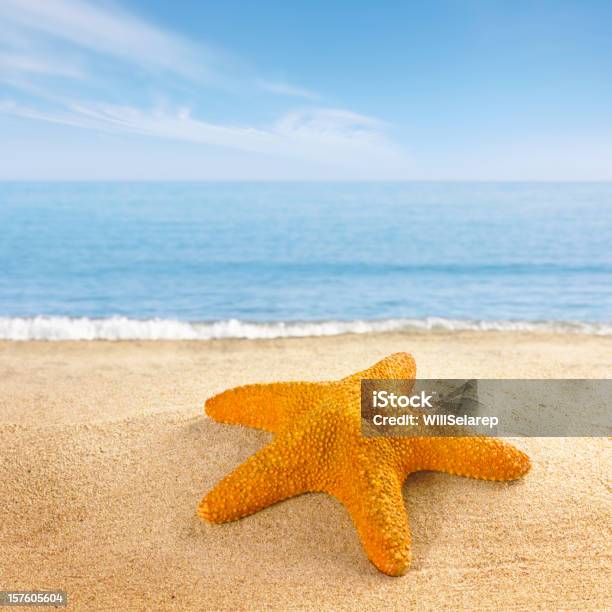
(105,454)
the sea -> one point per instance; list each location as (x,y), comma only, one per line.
(264,260)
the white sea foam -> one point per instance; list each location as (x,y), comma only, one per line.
(122,328)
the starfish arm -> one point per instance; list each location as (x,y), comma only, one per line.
(398,365)
(263,406)
(475,457)
(376,507)
(269,476)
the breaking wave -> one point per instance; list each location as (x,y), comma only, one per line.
(123,328)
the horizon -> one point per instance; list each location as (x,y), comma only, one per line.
(321,181)
(135,91)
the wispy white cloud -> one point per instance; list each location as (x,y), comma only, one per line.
(16,64)
(111,32)
(54,40)
(77,32)
(315,134)
(285,89)
(331,121)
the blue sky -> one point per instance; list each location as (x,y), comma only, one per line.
(259,90)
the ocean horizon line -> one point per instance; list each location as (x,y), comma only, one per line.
(58,328)
(204,181)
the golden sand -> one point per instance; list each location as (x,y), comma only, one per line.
(105,454)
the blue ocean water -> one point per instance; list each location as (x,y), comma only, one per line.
(232,259)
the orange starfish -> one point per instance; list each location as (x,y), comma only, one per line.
(318,447)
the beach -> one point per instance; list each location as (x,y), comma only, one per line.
(106,452)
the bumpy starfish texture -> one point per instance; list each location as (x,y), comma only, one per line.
(318,447)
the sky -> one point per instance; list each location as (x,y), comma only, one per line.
(317,90)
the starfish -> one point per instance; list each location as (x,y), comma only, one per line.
(318,447)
